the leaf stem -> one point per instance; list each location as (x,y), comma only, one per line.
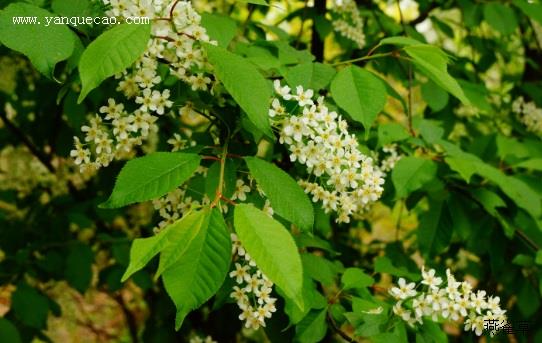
(220,186)
(364,58)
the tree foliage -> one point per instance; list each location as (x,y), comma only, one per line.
(274,170)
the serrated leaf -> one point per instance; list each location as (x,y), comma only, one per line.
(273,249)
(220,28)
(384,265)
(287,198)
(180,238)
(310,75)
(256,2)
(391,132)
(411,173)
(465,167)
(9,332)
(532,10)
(201,268)
(144,249)
(435,231)
(400,40)
(360,93)
(433,62)
(245,84)
(29,39)
(312,328)
(111,53)
(30,307)
(151,176)
(78,271)
(356,278)
(501,17)
(434,96)
(213,177)
(531,164)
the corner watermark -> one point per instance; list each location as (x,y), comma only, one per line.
(79,21)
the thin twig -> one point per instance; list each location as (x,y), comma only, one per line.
(26,141)
(409,109)
(341,333)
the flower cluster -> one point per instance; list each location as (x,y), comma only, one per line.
(253,290)
(451,300)
(176,203)
(528,114)
(388,163)
(344,179)
(177,38)
(198,339)
(349,23)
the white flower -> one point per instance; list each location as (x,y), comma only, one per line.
(240,273)
(276,109)
(404,290)
(429,278)
(240,190)
(304,97)
(284,92)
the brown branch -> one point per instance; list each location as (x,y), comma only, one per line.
(28,143)
(317,44)
(335,328)
(130,319)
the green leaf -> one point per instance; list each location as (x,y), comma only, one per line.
(29,39)
(538,258)
(312,328)
(356,278)
(256,2)
(9,332)
(465,167)
(213,177)
(151,176)
(71,7)
(273,249)
(531,164)
(287,198)
(501,17)
(532,10)
(310,75)
(144,249)
(245,84)
(412,173)
(391,132)
(111,53)
(201,267)
(434,96)
(318,268)
(360,93)
(312,299)
(433,62)
(477,95)
(384,265)
(220,28)
(517,190)
(78,271)
(30,307)
(400,40)
(180,238)
(435,231)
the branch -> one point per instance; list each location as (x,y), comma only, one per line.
(130,320)
(317,45)
(341,333)
(28,143)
